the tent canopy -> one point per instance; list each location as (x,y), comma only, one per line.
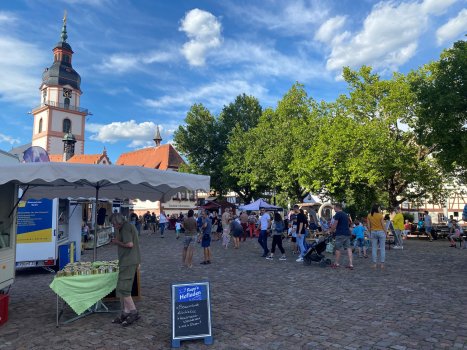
(260,203)
(217,204)
(63,180)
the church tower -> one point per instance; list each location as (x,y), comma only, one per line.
(59,112)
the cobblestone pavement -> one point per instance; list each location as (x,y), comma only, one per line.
(418,302)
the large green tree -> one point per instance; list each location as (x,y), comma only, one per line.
(197,140)
(203,139)
(234,122)
(267,149)
(361,153)
(441,90)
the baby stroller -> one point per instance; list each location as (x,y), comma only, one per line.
(314,252)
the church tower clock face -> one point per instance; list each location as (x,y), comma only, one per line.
(59,111)
(67,93)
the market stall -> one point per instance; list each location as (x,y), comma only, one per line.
(258,204)
(64,180)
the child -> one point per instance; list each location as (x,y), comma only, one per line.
(407,228)
(457,234)
(359,232)
(178,228)
(225,238)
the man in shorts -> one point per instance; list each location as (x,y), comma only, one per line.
(342,232)
(129,258)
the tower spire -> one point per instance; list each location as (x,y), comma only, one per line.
(64,35)
(157,138)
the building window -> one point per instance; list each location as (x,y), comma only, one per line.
(66,58)
(44,96)
(67,103)
(66,125)
(40,125)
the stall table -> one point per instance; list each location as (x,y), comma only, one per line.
(83,293)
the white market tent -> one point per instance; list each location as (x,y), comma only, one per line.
(258,204)
(64,180)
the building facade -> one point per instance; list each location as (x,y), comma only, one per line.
(161,157)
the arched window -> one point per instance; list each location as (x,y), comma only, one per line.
(67,103)
(66,125)
(40,125)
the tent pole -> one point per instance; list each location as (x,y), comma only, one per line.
(94,255)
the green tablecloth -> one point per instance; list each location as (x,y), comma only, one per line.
(82,292)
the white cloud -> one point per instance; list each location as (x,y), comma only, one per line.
(124,62)
(117,131)
(453,29)
(258,59)
(213,96)
(6,17)
(204,31)
(389,37)
(8,139)
(140,134)
(17,84)
(436,7)
(288,18)
(328,29)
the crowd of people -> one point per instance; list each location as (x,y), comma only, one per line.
(347,235)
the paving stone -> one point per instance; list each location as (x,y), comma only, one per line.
(259,304)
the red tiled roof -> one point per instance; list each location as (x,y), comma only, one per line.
(82,158)
(56,158)
(163,157)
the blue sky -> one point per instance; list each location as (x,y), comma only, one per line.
(144,63)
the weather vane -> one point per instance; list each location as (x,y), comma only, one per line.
(64,18)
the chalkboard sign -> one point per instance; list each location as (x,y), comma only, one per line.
(191,312)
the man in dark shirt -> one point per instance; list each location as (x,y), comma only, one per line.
(342,232)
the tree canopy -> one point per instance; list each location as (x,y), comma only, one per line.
(385,141)
(203,140)
(441,90)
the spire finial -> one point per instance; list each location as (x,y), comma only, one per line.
(64,35)
(157,138)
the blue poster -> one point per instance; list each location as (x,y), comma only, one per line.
(34,221)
